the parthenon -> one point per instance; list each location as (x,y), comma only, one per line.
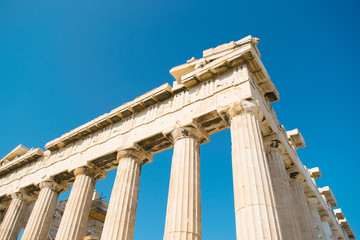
(275,195)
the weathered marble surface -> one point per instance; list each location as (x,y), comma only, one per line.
(203,96)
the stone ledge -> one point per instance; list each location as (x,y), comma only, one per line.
(30,156)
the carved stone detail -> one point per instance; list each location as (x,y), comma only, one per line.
(245,106)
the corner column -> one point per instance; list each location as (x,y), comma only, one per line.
(183,215)
(73,222)
(120,217)
(41,216)
(255,212)
(301,205)
(289,225)
(14,217)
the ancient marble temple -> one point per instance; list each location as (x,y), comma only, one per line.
(276,196)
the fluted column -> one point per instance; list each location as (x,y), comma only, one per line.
(301,206)
(14,217)
(255,212)
(41,216)
(315,217)
(326,226)
(73,222)
(183,215)
(289,224)
(120,217)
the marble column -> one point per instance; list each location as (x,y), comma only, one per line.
(73,222)
(41,216)
(301,206)
(289,224)
(255,211)
(313,202)
(183,215)
(14,217)
(325,220)
(120,217)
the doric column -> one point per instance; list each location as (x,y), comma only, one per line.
(183,215)
(120,217)
(289,224)
(41,216)
(73,222)
(316,219)
(301,205)
(325,219)
(14,217)
(255,212)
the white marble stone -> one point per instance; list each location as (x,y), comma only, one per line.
(14,217)
(39,222)
(255,210)
(183,215)
(289,224)
(120,218)
(73,222)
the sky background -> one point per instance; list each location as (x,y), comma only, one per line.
(63,63)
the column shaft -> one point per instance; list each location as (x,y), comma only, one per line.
(183,216)
(302,210)
(316,220)
(255,212)
(73,222)
(14,217)
(289,224)
(120,218)
(41,216)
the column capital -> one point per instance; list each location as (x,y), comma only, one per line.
(136,152)
(294,173)
(325,216)
(23,196)
(187,132)
(274,145)
(53,185)
(90,170)
(314,200)
(245,106)
(2,206)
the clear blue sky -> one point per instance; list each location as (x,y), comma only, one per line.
(63,63)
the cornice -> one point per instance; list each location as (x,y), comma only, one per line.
(30,156)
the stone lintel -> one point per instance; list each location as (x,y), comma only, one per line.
(137,105)
(326,191)
(296,138)
(315,172)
